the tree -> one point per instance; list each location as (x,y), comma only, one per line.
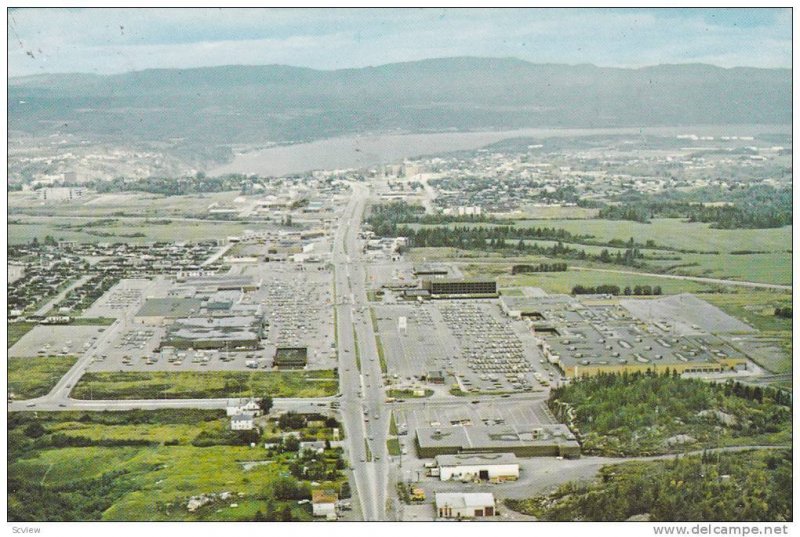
(291,443)
(34,430)
(265,404)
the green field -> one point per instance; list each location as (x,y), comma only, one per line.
(563,282)
(154,477)
(720,249)
(206,384)
(129,230)
(17,330)
(34,377)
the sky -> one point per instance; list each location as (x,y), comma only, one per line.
(112,40)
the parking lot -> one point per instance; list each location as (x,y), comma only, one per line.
(55,340)
(495,412)
(126,297)
(484,351)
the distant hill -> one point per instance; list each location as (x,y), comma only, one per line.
(252,104)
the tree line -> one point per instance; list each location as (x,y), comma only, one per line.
(609,289)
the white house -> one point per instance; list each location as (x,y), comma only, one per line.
(242,422)
(461,505)
(323,503)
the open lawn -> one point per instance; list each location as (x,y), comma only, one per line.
(34,377)
(206,384)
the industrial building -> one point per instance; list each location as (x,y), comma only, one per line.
(442,286)
(464,505)
(521,440)
(483,466)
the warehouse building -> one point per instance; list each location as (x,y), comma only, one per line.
(474,466)
(442,286)
(521,440)
(464,505)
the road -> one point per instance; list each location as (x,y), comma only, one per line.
(47,403)
(41,312)
(757,285)
(362,404)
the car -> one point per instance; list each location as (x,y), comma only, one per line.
(475,402)
(505,396)
(377,458)
(30,405)
(62,405)
(376,417)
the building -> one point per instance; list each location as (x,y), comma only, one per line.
(483,466)
(532,440)
(464,505)
(323,503)
(242,406)
(242,422)
(442,286)
(230,332)
(431,269)
(291,357)
(157,311)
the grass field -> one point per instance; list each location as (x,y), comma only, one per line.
(34,377)
(563,282)
(721,249)
(207,384)
(130,230)
(17,330)
(154,482)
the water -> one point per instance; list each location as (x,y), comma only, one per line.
(361,151)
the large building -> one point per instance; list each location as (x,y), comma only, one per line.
(230,333)
(483,466)
(671,334)
(157,311)
(521,440)
(442,286)
(464,505)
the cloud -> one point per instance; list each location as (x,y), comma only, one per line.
(117,40)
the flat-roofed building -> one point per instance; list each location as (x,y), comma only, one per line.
(484,466)
(214,333)
(442,286)
(521,440)
(464,505)
(156,311)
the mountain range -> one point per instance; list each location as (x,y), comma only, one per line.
(254,104)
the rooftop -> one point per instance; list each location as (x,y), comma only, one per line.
(471,459)
(464,499)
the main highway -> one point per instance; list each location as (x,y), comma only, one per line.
(362,403)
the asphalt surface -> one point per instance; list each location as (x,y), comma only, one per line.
(362,403)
